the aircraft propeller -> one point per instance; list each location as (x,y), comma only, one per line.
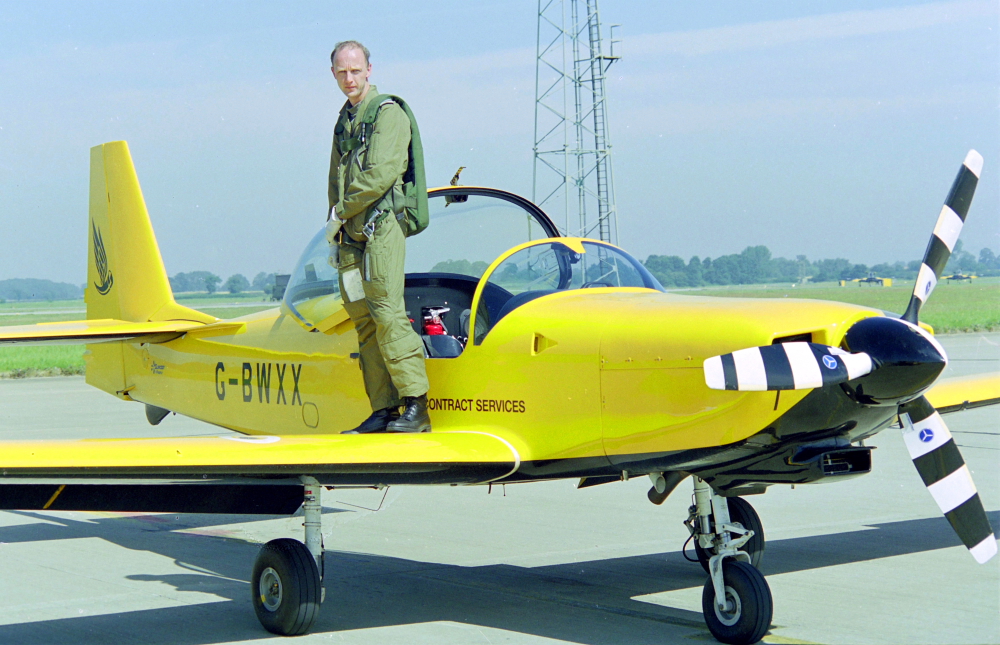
(946,232)
(891,361)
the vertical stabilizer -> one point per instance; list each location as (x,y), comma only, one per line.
(126,279)
(125,275)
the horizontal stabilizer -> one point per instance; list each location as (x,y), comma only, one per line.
(785,366)
(364,460)
(80,332)
(965,392)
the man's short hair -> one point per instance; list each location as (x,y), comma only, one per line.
(350,44)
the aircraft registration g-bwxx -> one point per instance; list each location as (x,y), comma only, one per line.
(531,379)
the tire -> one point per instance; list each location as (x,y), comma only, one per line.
(740,512)
(750,618)
(285,587)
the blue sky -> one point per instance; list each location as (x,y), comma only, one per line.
(832,129)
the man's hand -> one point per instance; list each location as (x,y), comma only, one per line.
(332,227)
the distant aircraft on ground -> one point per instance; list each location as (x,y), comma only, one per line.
(870,279)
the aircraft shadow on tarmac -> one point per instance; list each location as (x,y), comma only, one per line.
(586,602)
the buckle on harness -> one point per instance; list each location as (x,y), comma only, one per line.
(369,228)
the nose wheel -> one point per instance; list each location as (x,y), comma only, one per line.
(736,600)
(286,583)
(746,613)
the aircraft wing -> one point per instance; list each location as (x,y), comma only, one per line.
(965,392)
(79,332)
(238,474)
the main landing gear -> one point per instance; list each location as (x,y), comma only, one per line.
(729,541)
(287,581)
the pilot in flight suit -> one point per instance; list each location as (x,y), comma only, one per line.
(369,246)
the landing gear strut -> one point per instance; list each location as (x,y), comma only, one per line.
(742,514)
(286,584)
(736,600)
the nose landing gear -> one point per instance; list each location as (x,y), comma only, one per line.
(736,600)
(740,513)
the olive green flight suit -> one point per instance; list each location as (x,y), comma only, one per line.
(371,270)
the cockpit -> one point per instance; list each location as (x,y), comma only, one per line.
(476,235)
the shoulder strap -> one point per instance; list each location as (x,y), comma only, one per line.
(414,180)
(367,123)
(415,171)
(371,112)
(341,132)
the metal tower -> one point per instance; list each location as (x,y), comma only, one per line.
(572,178)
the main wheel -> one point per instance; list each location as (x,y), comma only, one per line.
(749,607)
(740,512)
(285,586)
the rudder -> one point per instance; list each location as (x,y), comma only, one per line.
(126,279)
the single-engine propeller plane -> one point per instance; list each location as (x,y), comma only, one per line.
(958,277)
(871,278)
(531,379)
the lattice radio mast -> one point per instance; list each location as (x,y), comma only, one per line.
(572,177)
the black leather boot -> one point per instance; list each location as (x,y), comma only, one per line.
(414,417)
(377,422)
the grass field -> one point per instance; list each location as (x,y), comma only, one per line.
(954,307)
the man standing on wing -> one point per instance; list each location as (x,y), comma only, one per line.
(366,178)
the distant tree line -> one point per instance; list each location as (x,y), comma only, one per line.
(197,281)
(463,267)
(32,289)
(754,265)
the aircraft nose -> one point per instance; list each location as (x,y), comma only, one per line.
(908,360)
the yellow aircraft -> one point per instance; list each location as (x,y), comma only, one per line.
(870,279)
(958,277)
(562,358)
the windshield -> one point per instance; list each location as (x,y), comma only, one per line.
(313,277)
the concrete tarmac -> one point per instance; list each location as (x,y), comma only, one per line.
(868,560)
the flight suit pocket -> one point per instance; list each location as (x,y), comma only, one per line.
(406,346)
(349,270)
(374,272)
(382,259)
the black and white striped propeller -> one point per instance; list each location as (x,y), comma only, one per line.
(891,361)
(946,232)
(785,366)
(943,470)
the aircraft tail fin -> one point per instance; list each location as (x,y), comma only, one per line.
(126,279)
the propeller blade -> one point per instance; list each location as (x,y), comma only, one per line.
(946,232)
(946,476)
(785,366)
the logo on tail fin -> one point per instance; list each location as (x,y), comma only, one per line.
(101,262)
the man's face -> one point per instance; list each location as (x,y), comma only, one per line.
(352,71)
